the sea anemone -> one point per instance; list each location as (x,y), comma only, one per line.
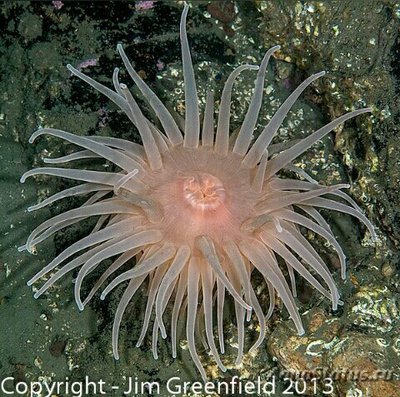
(195,210)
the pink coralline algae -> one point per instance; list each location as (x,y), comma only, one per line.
(160,64)
(58,4)
(144,5)
(87,63)
(103,117)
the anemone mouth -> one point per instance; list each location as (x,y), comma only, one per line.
(203,191)
(198,209)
